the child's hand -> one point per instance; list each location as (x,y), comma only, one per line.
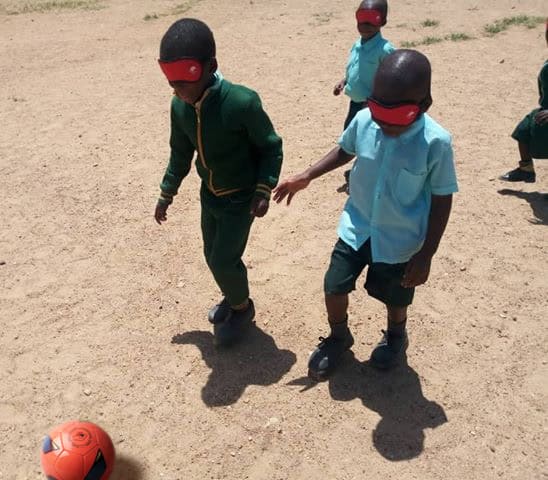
(160,213)
(259,206)
(339,87)
(288,188)
(417,270)
(541,118)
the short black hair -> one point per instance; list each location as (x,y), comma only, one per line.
(187,38)
(381,5)
(406,71)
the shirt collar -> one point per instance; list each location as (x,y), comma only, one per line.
(373,42)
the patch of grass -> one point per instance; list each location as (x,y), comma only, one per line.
(500,25)
(321,18)
(430,23)
(178,9)
(431,40)
(52,5)
(409,44)
(489,30)
(453,37)
(182,7)
(458,37)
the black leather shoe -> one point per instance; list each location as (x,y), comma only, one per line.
(390,351)
(218,313)
(519,175)
(328,355)
(234,326)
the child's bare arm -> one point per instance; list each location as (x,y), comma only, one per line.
(418,267)
(288,188)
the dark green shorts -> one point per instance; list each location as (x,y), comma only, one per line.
(532,134)
(383,280)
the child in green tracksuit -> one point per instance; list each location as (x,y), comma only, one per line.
(238,158)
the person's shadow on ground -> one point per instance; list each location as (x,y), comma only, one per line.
(396,395)
(537,200)
(255,361)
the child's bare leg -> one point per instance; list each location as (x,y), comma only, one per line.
(330,350)
(396,316)
(525,154)
(337,306)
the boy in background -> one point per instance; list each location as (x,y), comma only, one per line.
(532,133)
(365,57)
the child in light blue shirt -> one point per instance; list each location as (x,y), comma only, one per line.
(365,57)
(399,203)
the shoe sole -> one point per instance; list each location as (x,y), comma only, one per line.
(529,180)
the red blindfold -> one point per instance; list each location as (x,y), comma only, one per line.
(374,17)
(184,70)
(401,115)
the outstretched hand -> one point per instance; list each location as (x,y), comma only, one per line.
(288,188)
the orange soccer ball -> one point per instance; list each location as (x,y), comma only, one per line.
(77,451)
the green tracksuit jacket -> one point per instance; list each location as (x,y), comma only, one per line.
(237,147)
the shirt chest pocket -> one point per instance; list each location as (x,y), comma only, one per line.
(409,186)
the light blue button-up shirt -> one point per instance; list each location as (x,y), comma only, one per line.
(391,185)
(363,62)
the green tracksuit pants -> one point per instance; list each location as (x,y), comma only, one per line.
(226,222)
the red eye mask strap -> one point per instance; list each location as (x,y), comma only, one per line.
(185,70)
(374,17)
(400,115)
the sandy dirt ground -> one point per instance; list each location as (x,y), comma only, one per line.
(103,312)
